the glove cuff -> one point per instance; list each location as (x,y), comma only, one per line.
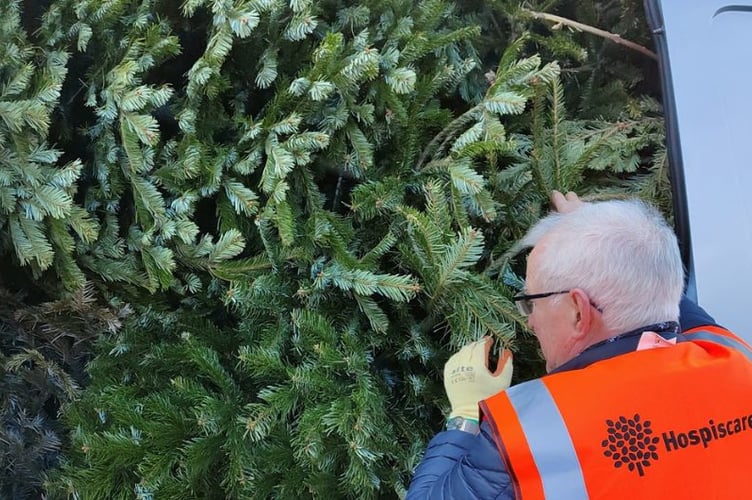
(466,411)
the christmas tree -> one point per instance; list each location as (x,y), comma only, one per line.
(308,205)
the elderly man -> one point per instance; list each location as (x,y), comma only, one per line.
(630,407)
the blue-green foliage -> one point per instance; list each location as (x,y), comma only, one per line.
(309,205)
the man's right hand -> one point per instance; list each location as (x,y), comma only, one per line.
(566,203)
(468,381)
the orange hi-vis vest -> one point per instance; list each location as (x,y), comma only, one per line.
(672,422)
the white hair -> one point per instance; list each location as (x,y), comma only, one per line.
(622,253)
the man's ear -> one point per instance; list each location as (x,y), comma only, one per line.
(583,311)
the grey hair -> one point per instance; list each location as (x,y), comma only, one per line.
(622,253)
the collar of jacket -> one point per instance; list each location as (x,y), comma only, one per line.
(619,344)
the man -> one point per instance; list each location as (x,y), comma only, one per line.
(630,407)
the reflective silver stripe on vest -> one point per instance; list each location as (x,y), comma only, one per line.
(549,441)
(721,339)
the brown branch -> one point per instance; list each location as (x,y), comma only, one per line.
(595,31)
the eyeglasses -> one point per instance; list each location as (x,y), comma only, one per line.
(525,302)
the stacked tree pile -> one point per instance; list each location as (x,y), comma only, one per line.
(240,238)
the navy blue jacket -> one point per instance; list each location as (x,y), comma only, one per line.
(458,465)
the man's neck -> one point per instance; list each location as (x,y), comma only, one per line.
(615,345)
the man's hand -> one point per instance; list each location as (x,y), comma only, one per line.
(467,380)
(565,203)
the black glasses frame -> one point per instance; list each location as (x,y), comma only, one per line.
(524,302)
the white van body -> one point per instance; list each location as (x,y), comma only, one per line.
(705,48)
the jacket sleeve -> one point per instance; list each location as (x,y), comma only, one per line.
(460,465)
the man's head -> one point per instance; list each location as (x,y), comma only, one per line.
(620,264)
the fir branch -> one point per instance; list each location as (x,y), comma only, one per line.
(376,316)
(536,155)
(465,179)
(556,96)
(229,245)
(398,288)
(381,249)
(463,253)
(448,133)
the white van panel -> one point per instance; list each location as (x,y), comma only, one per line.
(709,46)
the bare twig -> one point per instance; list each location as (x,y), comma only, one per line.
(595,31)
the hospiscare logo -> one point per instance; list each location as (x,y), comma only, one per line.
(632,443)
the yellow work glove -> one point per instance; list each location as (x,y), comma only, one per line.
(468,381)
